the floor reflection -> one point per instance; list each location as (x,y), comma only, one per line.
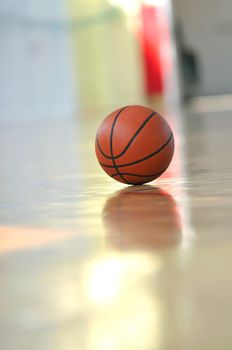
(142,218)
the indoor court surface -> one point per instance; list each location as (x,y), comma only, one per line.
(88,263)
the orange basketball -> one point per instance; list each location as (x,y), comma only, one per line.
(134,145)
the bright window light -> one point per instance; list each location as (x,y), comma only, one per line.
(128,6)
(132,6)
(155,3)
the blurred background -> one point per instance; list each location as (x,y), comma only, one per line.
(60,57)
(85,262)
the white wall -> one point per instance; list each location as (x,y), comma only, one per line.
(207,26)
(35,61)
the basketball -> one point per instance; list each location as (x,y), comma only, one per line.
(134,145)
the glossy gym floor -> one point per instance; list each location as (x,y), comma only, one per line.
(88,263)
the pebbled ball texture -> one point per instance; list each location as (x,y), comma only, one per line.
(134,145)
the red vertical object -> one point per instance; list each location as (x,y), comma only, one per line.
(154,35)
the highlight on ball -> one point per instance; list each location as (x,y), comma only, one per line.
(134,145)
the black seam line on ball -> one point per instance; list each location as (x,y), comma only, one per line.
(111,144)
(131,140)
(142,159)
(130,174)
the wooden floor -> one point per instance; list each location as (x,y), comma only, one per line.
(88,263)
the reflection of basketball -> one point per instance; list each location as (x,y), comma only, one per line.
(142,218)
(134,145)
